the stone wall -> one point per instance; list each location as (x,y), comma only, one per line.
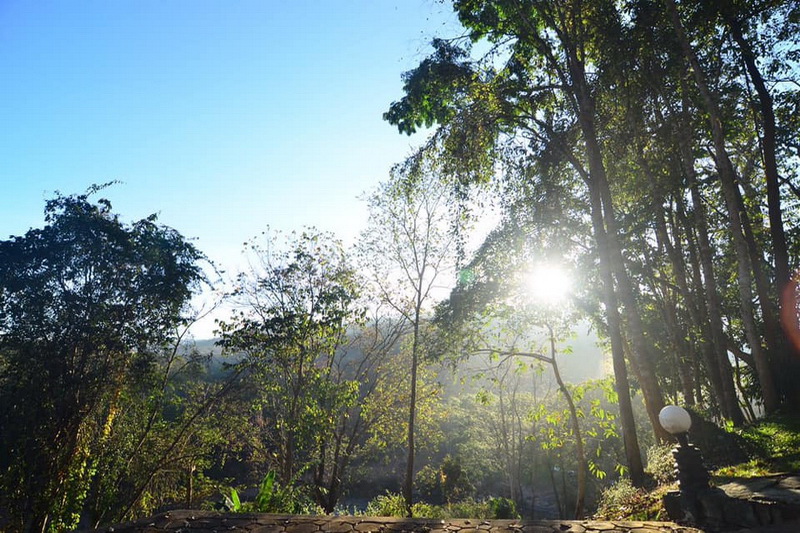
(210,522)
(753,503)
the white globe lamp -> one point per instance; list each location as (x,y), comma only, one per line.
(675,420)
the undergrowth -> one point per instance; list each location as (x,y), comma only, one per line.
(392,504)
(623,501)
(775,445)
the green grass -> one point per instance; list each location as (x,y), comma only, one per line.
(775,445)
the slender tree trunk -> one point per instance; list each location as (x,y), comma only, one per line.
(550,471)
(633,454)
(408,483)
(598,179)
(768,314)
(746,403)
(678,337)
(700,333)
(706,343)
(709,336)
(573,77)
(783,362)
(779,248)
(576,429)
(190,486)
(728,182)
(564,491)
(728,400)
(505,445)
(681,349)
(613,255)
(720,365)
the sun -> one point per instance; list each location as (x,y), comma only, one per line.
(548,284)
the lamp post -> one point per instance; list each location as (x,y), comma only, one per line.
(692,475)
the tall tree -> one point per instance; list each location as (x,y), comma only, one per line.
(408,249)
(743,21)
(84,303)
(368,361)
(545,91)
(728,181)
(295,307)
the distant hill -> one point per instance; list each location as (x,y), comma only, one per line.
(586,362)
(208,345)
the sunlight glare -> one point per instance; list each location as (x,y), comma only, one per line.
(548,284)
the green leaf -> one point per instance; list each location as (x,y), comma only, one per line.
(237,503)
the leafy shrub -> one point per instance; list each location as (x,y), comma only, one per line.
(272,498)
(455,482)
(623,501)
(448,483)
(429,484)
(426,510)
(392,504)
(720,446)
(468,508)
(503,508)
(661,464)
(389,504)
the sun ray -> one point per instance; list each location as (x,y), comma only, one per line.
(548,284)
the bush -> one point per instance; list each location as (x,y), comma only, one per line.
(272,498)
(719,446)
(623,501)
(448,483)
(661,464)
(389,504)
(468,508)
(429,484)
(503,508)
(455,483)
(392,504)
(426,510)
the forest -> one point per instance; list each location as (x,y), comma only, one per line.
(640,158)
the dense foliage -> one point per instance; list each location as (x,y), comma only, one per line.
(88,306)
(646,143)
(648,147)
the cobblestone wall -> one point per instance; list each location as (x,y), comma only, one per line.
(210,522)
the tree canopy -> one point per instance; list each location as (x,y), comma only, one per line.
(85,304)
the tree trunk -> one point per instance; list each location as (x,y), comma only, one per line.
(550,468)
(779,248)
(717,363)
(700,333)
(768,314)
(707,337)
(728,183)
(633,454)
(612,253)
(782,357)
(678,337)
(728,400)
(721,364)
(576,429)
(408,483)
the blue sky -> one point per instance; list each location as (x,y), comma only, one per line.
(224,117)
